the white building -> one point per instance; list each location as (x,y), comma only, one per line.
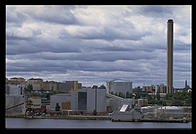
(15,89)
(117,86)
(85,99)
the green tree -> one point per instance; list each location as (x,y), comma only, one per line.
(128,95)
(57,108)
(29,87)
(102,87)
(120,94)
(94,112)
(158,96)
(94,87)
(116,93)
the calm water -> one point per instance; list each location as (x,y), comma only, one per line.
(58,123)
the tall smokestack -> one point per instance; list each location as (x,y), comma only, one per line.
(170,56)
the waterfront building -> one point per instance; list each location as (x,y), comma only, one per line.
(114,102)
(119,86)
(85,100)
(14,89)
(14,101)
(14,105)
(61,99)
(88,100)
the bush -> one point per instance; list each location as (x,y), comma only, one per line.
(94,112)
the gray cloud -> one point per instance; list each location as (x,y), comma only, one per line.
(96,44)
(156,11)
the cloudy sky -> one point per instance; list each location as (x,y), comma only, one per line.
(95,44)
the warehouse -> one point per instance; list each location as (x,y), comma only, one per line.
(85,100)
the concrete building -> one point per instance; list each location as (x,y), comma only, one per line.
(14,89)
(36,83)
(15,96)
(89,99)
(79,85)
(114,102)
(117,86)
(170,56)
(86,100)
(71,85)
(60,99)
(14,105)
(62,87)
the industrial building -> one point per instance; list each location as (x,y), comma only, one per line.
(85,100)
(14,105)
(14,89)
(114,102)
(119,86)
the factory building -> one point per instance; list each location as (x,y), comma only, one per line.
(85,100)
(114,102)
(14,89)
(119,86)
(61,99)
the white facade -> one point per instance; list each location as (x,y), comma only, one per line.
(13,100)
(96,100)
(119,86)
(15,89)
(59,98)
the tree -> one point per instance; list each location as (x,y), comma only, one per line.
(48,96)
(29,87)
(158,96)
(94,112)
(57,108)
(116,93)
(94,87)
(120,95)
(128,95)
(102,87)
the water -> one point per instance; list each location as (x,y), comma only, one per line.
(59,123)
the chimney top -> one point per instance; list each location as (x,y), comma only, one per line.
(170,20)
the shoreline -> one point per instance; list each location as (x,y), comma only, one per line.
(76,117)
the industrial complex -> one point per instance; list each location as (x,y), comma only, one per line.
(118,101)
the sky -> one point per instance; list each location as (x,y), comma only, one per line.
(97,43)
